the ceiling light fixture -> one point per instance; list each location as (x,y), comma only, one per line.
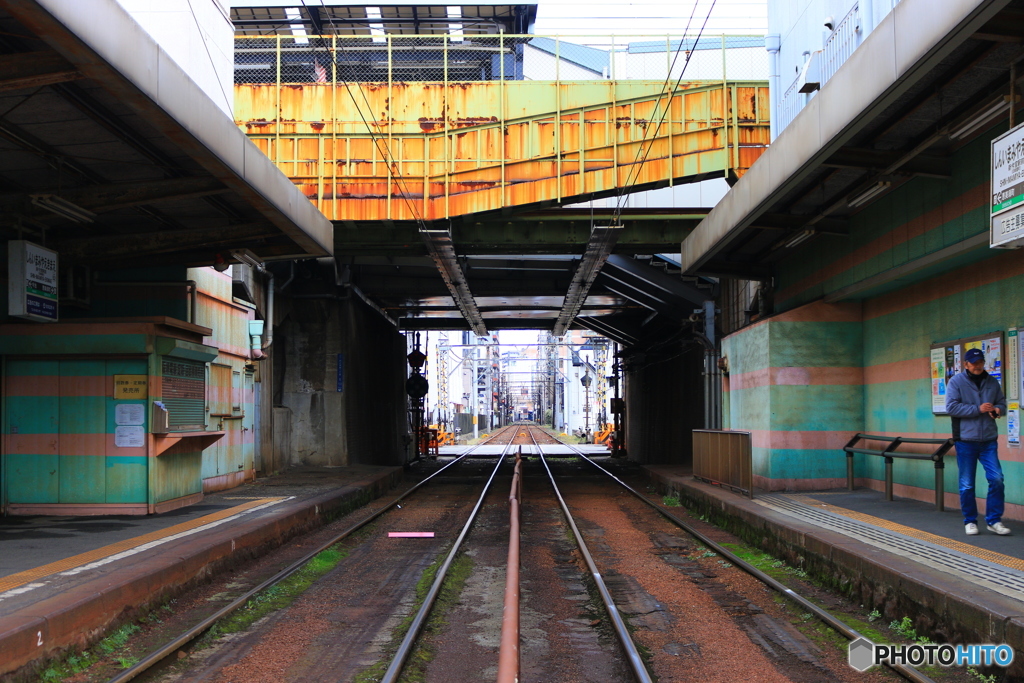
(62,207)
(868,194)
(248,258)
(799,238)
(979,119)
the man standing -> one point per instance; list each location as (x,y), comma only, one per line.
(974,400)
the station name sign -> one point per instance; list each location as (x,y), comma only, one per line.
(32,281)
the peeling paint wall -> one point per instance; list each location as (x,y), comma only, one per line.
(366,421)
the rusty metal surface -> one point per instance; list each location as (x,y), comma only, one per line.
(426,151)
(724,457)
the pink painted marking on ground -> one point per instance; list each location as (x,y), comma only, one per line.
(410,534)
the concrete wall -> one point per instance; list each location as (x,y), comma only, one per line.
(664,404)
(365,422)
(198,35)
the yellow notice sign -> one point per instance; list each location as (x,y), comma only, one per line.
(131,386)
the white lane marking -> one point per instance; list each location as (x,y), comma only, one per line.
(167,539)
(20,589)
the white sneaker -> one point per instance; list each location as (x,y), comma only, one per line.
(972,529)
(999,528)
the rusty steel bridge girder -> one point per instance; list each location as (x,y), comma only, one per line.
(427,151)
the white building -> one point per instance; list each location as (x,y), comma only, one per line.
(808,40)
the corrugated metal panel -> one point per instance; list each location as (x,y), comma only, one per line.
(184,393)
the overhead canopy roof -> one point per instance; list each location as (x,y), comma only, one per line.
(267,17)
(110,154)
(883,118)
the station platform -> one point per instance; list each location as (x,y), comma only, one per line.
(902,557)
(62,578)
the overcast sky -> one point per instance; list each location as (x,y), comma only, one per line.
(650,16)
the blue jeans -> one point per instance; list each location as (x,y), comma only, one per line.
(968,455)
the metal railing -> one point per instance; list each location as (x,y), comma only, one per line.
(498,57)
(790,104)
(724,458)
(889,452)
(841,43)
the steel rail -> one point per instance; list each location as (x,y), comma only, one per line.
(908,672)
(508,653)
(188,636)
(636,662)
(405,648)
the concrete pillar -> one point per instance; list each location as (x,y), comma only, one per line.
(357,415)
(796,382)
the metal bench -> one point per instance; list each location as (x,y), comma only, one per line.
(889,452)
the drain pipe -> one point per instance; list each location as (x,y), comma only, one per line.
(269,339)
(773,43)
(266,326)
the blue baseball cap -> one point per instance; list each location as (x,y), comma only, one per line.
(973,356)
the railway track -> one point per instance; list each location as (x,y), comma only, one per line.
(562,572)
(161,656)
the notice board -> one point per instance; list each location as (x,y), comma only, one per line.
(946,359)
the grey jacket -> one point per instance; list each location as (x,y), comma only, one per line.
(962,400)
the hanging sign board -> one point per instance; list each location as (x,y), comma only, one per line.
(1006,203)
(32,281)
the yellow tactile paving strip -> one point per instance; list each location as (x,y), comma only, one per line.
(980,553)
(29,575)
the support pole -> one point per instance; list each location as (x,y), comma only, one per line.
(940,484)
(888,478)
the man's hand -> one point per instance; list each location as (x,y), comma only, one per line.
(992,410)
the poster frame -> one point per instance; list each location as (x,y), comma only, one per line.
(958,348)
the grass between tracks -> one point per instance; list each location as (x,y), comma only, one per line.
(112,647)
(416,666)
(277,597)
(115,651)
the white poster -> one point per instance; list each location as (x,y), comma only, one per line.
(129,437)
(1013,423)
(1012,365)
(938,368)
(993,350)
(1019,378)
(130,414)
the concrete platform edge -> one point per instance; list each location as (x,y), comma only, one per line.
(34,635)
(942,606)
